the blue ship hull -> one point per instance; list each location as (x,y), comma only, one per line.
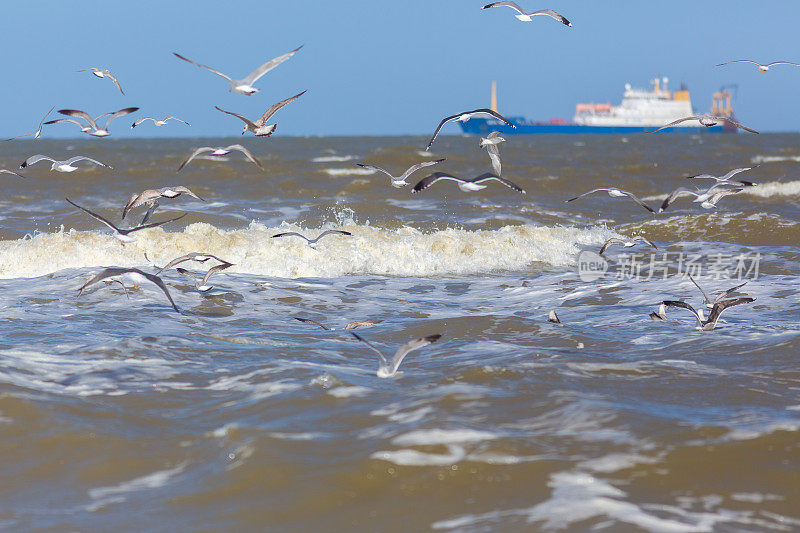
(484,126)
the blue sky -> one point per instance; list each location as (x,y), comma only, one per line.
(378,67)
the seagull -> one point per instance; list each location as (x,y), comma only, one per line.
(707,198)
(36,134)
(133,273)
(4,171)
(245,85)
(626,244)
(466,185)
(706,120)
(259,127)
(527,16)
(161,122)
(661,315)
(351,325)
(490,142)
(707,323)
(123,235)
(465,116)
(67,165)
(222,151)
(387,369)
(192,256)
(85,128)
(400,181)
(151,197)
(616,193)
(104,73)
(97,132)
(203,286)
(708,301)
(727,178)
(553,317)
(313,242)
(761,68)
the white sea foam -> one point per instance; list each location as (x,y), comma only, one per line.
(400,252)
(333,158)
(774,188)
(773,158)
(429,437)
(116,494)
(352,171)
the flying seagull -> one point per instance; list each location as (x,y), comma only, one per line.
(465,116)
(192,256)
(97,132)
(400,181)
(36,134)
(151,197)
(313,242)
(727,179)
(67,165)
(259,127)
(527,16)
(123,235)
(222,151)
(203,286)
(615,193)
(466,185)
(157,122)
(707,198)
(761,68)
(707,323)
(388,368)
(707,121)
(104,73)
(134,273)
(490,142)
(708,301)
(245,85)
(4,171)
(626,244)
(351,325)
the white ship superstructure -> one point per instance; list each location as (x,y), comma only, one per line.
(640,107)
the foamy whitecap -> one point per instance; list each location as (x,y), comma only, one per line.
(333,158)
(774,188)
(352,171)
(370,251)
(773,158)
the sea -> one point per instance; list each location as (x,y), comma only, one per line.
(118,413)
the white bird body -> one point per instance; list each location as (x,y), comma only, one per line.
(60,166)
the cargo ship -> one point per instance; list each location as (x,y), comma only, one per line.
(641,110)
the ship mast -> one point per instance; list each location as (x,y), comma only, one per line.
(494,97)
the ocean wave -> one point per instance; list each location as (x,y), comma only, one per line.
(332,158)
(370,251)
(348,171)
(773,158)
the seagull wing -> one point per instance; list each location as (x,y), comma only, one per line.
(176,118)
(176,261)
(140,120)
(384,364)
(427,181)
(733,172)
(739,61)
(444,121)
(729,292)
(717,196)
(309,321)
(553,14)
(274,108)
(401,352)
(782,63)
(674,195)
(95,216)
(153,224)
(184,190)
(373,167)
(731,121)
(246,153)
(291,233)
(114,79)
(3,171)
(512,5)
(120,113)
(637,200)
(213,270)
(80,114)
(193,155)
(77,158)
(609,242)
(269,65)
(693,117)
(361,323)
(58,120)
(413,168)
(682,305)
(645,240)
(138,199)
(327,232)
(489,176)
(586,194)
(246,120)
(32,160)
(719,307)
(218,73)
(706,299)
(494,156)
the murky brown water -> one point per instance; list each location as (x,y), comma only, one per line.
(116,413)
